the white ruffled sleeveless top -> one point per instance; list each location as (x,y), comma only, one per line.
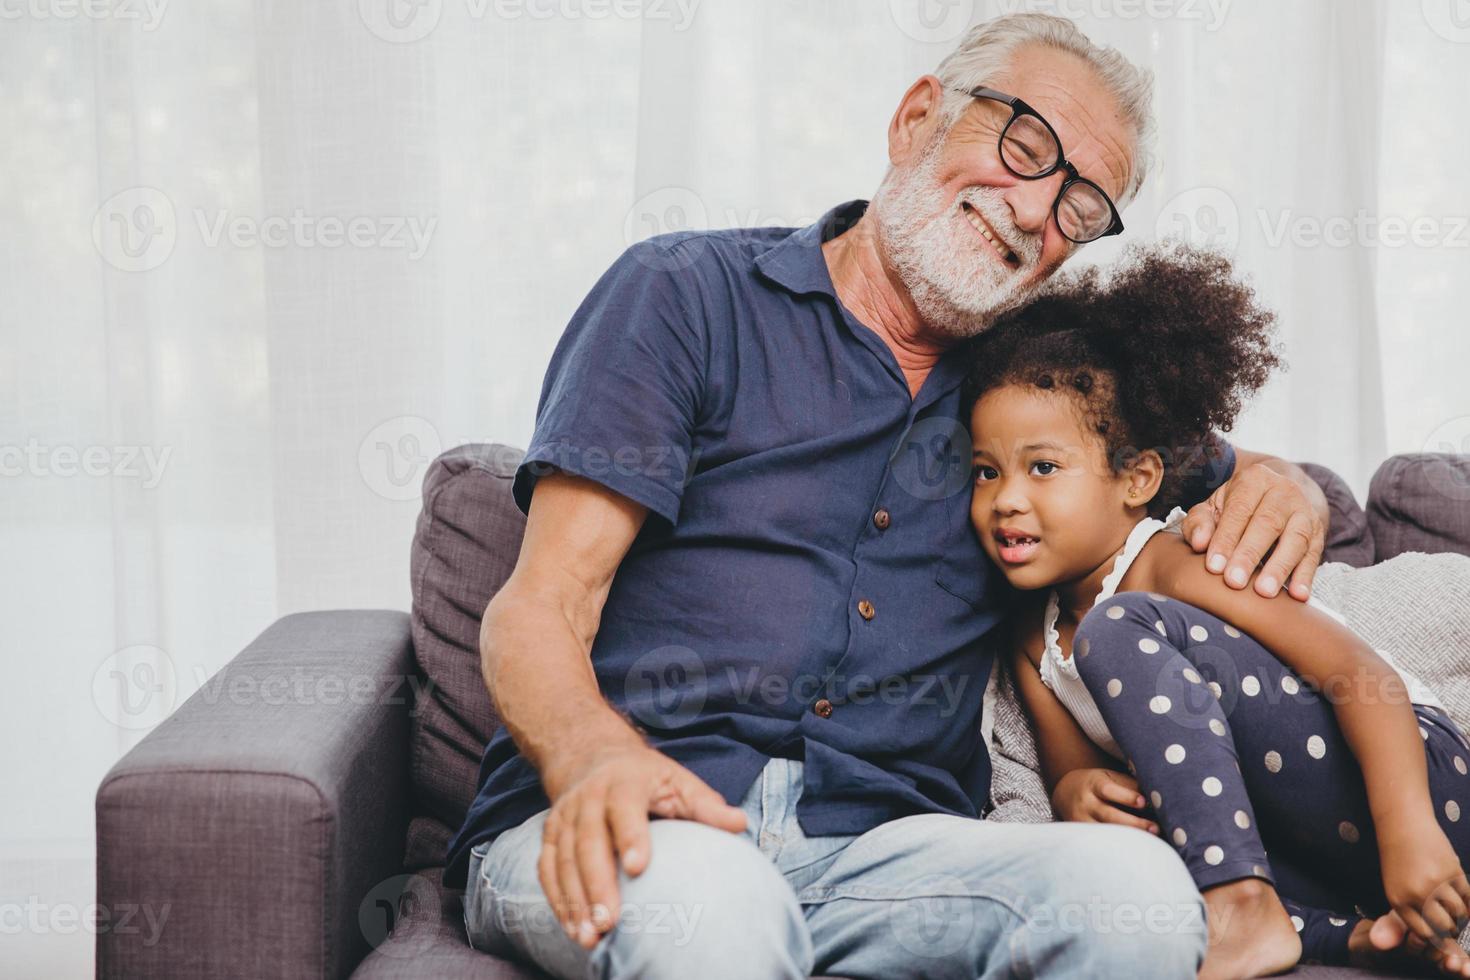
(1059,673)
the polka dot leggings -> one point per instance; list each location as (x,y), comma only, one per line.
(1237,754)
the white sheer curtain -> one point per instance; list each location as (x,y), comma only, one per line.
(262,260)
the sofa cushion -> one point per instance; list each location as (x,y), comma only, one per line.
(1420,502)
(466,543)
(1349,538)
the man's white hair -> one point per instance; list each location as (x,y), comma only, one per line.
(987,49)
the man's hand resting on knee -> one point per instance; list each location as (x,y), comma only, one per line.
(602,778)
(601,819)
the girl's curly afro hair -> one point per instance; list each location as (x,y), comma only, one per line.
(1159,351)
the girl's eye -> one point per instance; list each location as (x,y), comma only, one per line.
(983,473)
(1051,467)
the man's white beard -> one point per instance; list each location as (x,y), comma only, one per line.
(939,256)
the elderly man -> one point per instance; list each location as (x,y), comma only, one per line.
(750,602)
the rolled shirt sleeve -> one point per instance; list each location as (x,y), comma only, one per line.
(621,396)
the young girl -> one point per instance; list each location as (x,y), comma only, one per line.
(1248,723)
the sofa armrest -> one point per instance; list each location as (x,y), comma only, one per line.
(243,835)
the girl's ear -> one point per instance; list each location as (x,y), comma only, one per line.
(1144,478)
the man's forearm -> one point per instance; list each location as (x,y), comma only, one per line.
(543,686)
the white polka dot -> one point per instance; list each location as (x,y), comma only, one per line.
(1289,684)
(1174,753)
(1423,733)
(1159,704)
(1083,647)
(1216,689)
(1258,871)
(1452,810)
(1316,748)
(1460,766)
(1213,854)
(1297,923)
(1156,798)
(1242,820)
(1115,687)
(1273,761)
(1180,837)
(1199,634)
(1115,612)
(1159,625)
(1336,921)
(1232,631)
(1250,685)
(1217,726)
(1191,675)
(1348,832)
(1148,645)
(1212,786)
(1158,598)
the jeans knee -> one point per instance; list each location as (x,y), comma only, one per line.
(1131,906)
(708,899)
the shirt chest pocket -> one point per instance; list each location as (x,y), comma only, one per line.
(962,569)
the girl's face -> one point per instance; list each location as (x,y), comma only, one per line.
(1039,475)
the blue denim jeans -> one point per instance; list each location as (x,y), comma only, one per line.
(930,895)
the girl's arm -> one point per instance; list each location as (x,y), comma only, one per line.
(1061,744)
(1080,778)
(1367,695)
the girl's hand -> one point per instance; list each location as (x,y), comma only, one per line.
(1100,796)
(1425,884)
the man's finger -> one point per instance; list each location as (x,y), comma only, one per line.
(705,805)
(1199,525)
(1306,569)
(569,878)
(627,815)
(596,868)
(1263,531)
(546,868)
(1290,550)
(1235,514)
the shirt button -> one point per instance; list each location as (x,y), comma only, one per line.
(823,708)
(882,519)
(865,609)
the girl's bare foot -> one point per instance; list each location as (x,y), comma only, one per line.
(1251,934)
(1386,942)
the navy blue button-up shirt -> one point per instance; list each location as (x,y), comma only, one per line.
(807,583)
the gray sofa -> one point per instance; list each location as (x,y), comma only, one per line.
(291,818)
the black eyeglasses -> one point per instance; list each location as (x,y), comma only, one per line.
(1030,149)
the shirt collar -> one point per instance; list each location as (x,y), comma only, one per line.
(797,263)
